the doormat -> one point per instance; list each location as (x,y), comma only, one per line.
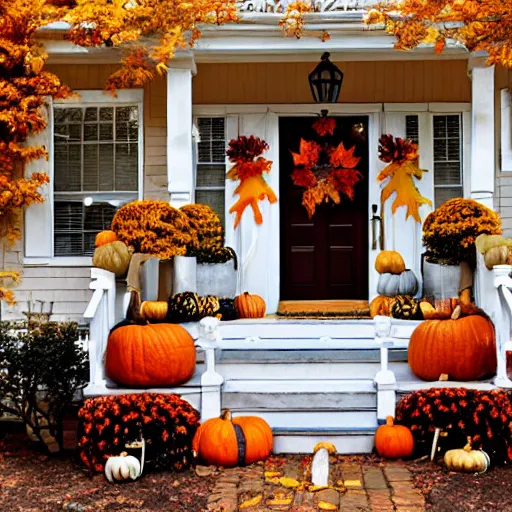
(346,309)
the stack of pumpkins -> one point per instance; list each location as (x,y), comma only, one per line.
(396,288)
(111,254)
(190,307)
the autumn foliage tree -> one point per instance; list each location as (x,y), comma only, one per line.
(24,88)
(150,32)
(479,25)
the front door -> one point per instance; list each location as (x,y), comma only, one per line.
(325,256)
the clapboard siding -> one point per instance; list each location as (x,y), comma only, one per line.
(504,202)
(364,82)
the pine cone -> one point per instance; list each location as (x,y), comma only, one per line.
(406,308)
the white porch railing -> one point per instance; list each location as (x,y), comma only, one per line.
(493,295)
(279,6)
(101,315)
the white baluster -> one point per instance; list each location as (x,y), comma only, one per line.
(501,317)
(385,379)
(211,382)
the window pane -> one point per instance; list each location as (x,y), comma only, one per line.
(412,128)
(447,140)
(214,199)
(91,114)
(106,167)
(444,194)
(67,167)
(127,161)
(91,168)
(211,175)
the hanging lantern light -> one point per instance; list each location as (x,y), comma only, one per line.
(325,81)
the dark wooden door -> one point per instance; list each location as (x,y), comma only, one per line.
(325,257)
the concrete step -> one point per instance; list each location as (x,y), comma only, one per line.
(347,440)
(318,395)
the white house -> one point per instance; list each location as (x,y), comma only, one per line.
(248,79)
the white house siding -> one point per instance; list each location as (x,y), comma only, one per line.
(68,287)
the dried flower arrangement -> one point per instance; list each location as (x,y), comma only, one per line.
(154,227)
(166,422)
(249,167)
(450,231)
(485,416)
(402,159)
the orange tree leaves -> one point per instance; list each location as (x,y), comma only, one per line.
(480,25)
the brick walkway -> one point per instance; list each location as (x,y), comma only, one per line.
(355,487)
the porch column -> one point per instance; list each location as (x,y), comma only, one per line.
(482,131)
(180,166)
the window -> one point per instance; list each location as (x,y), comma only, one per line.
(211,163)
(412,131)
(447,142)
(96,169)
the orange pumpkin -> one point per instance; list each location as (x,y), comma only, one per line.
(104,238)
(250,306)
(394,441)
(389,262)
(380,306)
(464,349)
(150,355)
(229,442)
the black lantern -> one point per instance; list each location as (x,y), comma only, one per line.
(325,81)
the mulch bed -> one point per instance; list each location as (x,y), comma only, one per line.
(30,481)
(448,491)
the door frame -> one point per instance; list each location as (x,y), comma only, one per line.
(376,120)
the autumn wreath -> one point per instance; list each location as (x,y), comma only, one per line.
(325,171)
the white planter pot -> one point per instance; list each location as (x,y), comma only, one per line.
(217,279)
(184,274)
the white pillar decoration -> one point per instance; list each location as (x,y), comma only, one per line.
(211,382)
(482,132)
(385,379)
(180,168)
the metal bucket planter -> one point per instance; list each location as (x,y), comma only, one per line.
(440,281)
(184,274)
(217,279)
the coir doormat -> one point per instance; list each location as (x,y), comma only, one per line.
(321,309)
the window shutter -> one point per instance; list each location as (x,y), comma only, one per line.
(506,131)
(38,219)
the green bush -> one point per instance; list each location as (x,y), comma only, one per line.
(42,366)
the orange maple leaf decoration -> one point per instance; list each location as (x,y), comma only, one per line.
(253,188)
(325,182)
(403,166)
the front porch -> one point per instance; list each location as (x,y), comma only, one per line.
(310,380)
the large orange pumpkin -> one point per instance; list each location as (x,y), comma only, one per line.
(464,349)
(150,355)
(380,305)
(389,262)
(394,441)
(229,442)
(104,238)
(250,306)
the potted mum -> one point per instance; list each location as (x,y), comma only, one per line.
(449,235)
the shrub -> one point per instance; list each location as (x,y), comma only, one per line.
(450,231)
(166,422)
(154,227)
(41,369)
(485,416)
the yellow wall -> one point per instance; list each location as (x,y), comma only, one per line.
(94,76)
(364,82)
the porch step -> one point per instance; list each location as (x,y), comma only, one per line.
(317,395)
(347,440)
(414,385)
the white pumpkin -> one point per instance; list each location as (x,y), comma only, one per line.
(467,460)
(123,467)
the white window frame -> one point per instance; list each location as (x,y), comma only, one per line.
(125,97)
(196,157)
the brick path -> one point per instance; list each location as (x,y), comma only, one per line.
(355,487)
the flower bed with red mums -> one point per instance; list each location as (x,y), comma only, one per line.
(166,422)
